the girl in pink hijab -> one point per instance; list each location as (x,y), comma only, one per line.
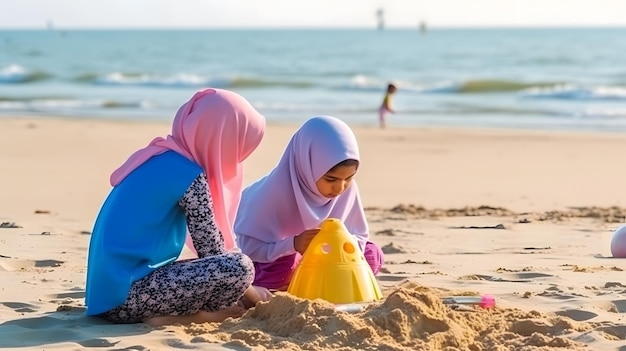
(281,213)
(190,181)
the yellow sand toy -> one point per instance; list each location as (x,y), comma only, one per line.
(333,268)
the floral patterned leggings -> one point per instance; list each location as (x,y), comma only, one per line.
(210,283)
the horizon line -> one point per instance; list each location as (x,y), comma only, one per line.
(373,28)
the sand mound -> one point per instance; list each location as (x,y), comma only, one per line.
(411,317)
(613,214)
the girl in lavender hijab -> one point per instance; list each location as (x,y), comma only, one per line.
(281,213)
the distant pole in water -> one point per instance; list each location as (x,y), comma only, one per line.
(423,27)
(380,14)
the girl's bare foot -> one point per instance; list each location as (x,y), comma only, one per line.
(200,317)
(255,294)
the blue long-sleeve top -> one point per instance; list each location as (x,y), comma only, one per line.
(139,228)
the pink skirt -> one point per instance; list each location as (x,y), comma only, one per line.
(382,113)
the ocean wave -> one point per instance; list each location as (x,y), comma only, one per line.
(86,78)
(61,104)
(547,90)
(186,80)
(263,83)
(478,86)
(367,83)
(493,86)
(606,113)
(524,89)
(575,92)
(16,74)
(139,79)
(460,108)
(444,87)
(290,110)
(361,82)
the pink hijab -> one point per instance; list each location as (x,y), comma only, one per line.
(286,202)
(217,129)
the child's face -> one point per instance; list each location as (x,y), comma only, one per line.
(335,182)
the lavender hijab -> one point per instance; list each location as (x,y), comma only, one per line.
(286,202)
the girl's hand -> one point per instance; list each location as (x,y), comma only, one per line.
(302,241)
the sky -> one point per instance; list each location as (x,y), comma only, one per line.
(308,13)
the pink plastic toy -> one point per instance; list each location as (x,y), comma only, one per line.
(484,301)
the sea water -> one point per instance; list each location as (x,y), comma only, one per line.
(512,78)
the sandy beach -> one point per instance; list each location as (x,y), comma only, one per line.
(524,216)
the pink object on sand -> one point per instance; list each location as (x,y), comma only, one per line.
(618,242)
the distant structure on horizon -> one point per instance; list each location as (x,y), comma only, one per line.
(380,14)
(423,27)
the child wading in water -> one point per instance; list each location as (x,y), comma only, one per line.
(314,180)
(386,106)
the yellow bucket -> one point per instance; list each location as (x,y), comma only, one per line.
(333,268)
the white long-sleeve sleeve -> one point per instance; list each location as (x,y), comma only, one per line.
(263,252)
